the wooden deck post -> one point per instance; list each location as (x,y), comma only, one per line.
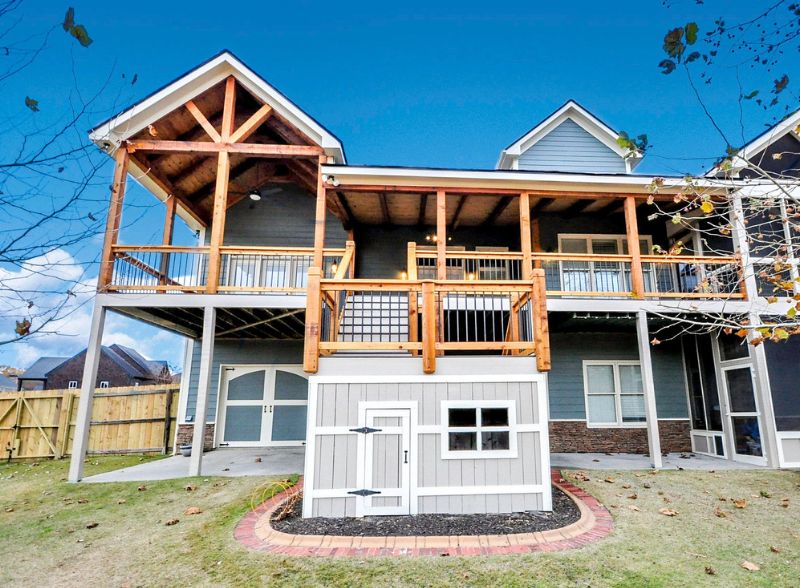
(221,189)
(82,422)
(525,235)
(313,320)
(429,337)
(203,390)
(413,301)
(319,220)
(634,250)
(541,330)
(646,366)
(166,239)
(441,235)
(114,217)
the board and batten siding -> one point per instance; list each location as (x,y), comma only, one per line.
(569,147)
(521,483)
(237,353)
(570,350)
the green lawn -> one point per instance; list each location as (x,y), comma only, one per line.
(44,539)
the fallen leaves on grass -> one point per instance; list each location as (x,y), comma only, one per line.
(83,500)
(633,496)
(190,488)
(634,508)
(750,566)
(609,480)
(172,522)
(192,510)
(92,525)
(740,502)
(774,549)
(121,501)
(580,476)
(711,571)
(142,488)
(668,512)
(785,503)
(10,509)
(765,494)
(718,512)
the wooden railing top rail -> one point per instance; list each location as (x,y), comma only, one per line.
(588,257)
(394,285)
(228,249)
(473,254)
(158,248)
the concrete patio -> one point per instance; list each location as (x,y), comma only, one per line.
(276,461)
(630,461)
(240,461)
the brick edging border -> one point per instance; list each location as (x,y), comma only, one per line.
(255,532)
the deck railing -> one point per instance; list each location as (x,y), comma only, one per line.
(244,270)
(426,317)
(584,275)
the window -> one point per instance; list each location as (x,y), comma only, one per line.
(614,393)
(599,276)
(104,384)
(72,384)
(478,429)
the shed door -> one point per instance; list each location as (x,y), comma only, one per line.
(386,458)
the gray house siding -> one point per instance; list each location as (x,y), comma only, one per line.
(565,381)
(569,147)
(336,459)
(282,219)
(238,353)
(781,362)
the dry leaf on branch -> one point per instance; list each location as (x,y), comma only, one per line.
(749,566)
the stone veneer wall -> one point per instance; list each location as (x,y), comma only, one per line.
(576,437)
(184,436)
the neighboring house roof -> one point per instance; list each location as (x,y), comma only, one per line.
(570,111)
(137,365)
(41,367)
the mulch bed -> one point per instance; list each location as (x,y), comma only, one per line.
(565,512)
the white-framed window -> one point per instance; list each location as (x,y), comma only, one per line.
(614,394)
(72,384)
(104,384)
(484,429)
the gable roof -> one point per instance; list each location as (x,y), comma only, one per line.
(766,139)
(108,134)
(7,384)
(41,367)
(573,111)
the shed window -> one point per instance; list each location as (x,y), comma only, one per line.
(482,429)
(614,393)
(72,384)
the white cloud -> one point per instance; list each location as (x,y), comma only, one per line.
(44,282)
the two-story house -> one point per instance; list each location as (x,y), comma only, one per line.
(429,335)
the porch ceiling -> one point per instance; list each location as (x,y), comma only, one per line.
(468,210)
(192,176)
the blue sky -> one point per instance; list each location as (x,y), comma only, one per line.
(445,85)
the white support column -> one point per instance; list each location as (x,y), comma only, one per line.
(741,246)
(203,387)
(769,439)
(83,421)
(646,363)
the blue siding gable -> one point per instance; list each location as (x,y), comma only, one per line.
(570,148)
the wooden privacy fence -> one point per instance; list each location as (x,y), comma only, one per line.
(135,419)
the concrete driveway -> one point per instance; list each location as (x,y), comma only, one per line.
(230,461)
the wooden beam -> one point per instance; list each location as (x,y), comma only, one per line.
(313,319)
(319,219)
(501,205)
(261,322)
(541,330)
(203,121)
(541,205)
(114,217)
(252,149)
(251,124)
(218,221)
(632,227)
(169,220)
(441,235)
(429,313)
(423,205)
(229,109)
(525,235)
(513,192)
(387,219)
(577,207)
(457,213)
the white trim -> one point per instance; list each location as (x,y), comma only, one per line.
(709,435)
(406,379)
(480,490)
(615,365)
(446,429)
(186,376)
(782,436)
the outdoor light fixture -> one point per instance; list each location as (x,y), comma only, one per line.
(334,267)
(330,180)
(435,238)
(403,276)
(255,195)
